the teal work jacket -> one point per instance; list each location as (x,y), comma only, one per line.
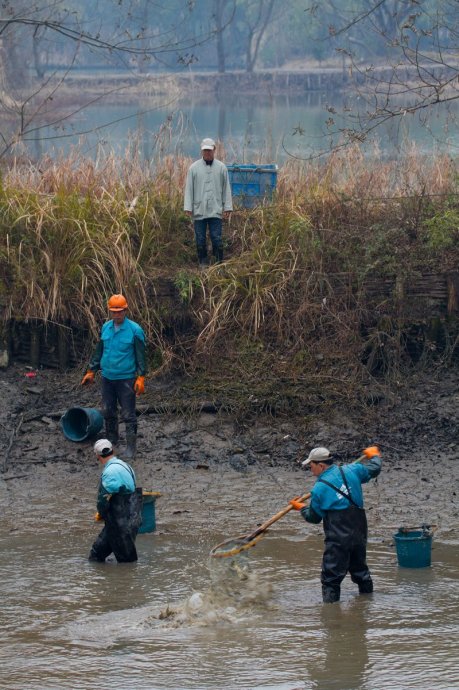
(120,354)
(325,498)
(117,478)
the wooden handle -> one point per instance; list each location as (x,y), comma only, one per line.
(285,510)
(419,528)
(276,517)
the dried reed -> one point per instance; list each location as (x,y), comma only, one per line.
(289,303)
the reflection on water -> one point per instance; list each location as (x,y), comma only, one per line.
(253,129)
(174,620)
(343,662)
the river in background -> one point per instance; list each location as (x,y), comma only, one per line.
(253,129)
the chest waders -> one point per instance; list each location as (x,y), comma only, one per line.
(345,547)
(122,521)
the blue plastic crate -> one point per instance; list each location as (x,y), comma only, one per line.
(252,185)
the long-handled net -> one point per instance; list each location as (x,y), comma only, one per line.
(231,547)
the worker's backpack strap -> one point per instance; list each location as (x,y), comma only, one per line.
(335,488)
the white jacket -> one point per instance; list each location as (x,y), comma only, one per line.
(207,190)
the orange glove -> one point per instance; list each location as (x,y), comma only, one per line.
(98,518)
(371,451)
(139,385)
(88,377)
(296,504)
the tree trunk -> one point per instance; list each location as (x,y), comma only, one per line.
(253,44)
(37,63)
(6,89)
(219,7)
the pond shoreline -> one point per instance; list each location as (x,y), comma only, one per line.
(272,82)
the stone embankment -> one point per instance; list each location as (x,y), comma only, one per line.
(259,83)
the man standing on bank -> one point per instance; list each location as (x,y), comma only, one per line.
(337,499)
(120,355)
(208,200)
(119,504)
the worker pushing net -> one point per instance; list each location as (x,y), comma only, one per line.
(237,545)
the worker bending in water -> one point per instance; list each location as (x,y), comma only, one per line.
(337,499)
(120,354)
(119,504)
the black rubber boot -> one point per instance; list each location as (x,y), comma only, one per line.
(131,441)
(111,430)
(366,587)
(330,595)
(218,254)
(202,256)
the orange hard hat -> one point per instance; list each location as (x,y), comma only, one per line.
(117,303)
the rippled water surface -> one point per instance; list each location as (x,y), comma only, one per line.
(174,620)
(259,128)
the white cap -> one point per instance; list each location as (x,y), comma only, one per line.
(103,447)
(207,144)
(319,454)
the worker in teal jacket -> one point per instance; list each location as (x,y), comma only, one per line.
(119,504)
(120,355)
(337,499)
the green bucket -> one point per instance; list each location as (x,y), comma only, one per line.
(149,511)
(81,423)
(414,548)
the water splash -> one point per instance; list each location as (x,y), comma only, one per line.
(235,592)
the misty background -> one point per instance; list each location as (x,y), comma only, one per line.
(89,74)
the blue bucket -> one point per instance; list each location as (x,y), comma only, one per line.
(414,548)
(80,423)
(148,511)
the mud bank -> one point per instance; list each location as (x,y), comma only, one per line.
(211,469)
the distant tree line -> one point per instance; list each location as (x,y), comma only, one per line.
(215,34)
(415,41)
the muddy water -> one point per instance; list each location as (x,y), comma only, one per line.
(177,620)
(171,621)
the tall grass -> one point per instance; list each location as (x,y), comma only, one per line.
(289,302)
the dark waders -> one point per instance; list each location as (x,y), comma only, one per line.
(122,522)
(345,551)
(345,547)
